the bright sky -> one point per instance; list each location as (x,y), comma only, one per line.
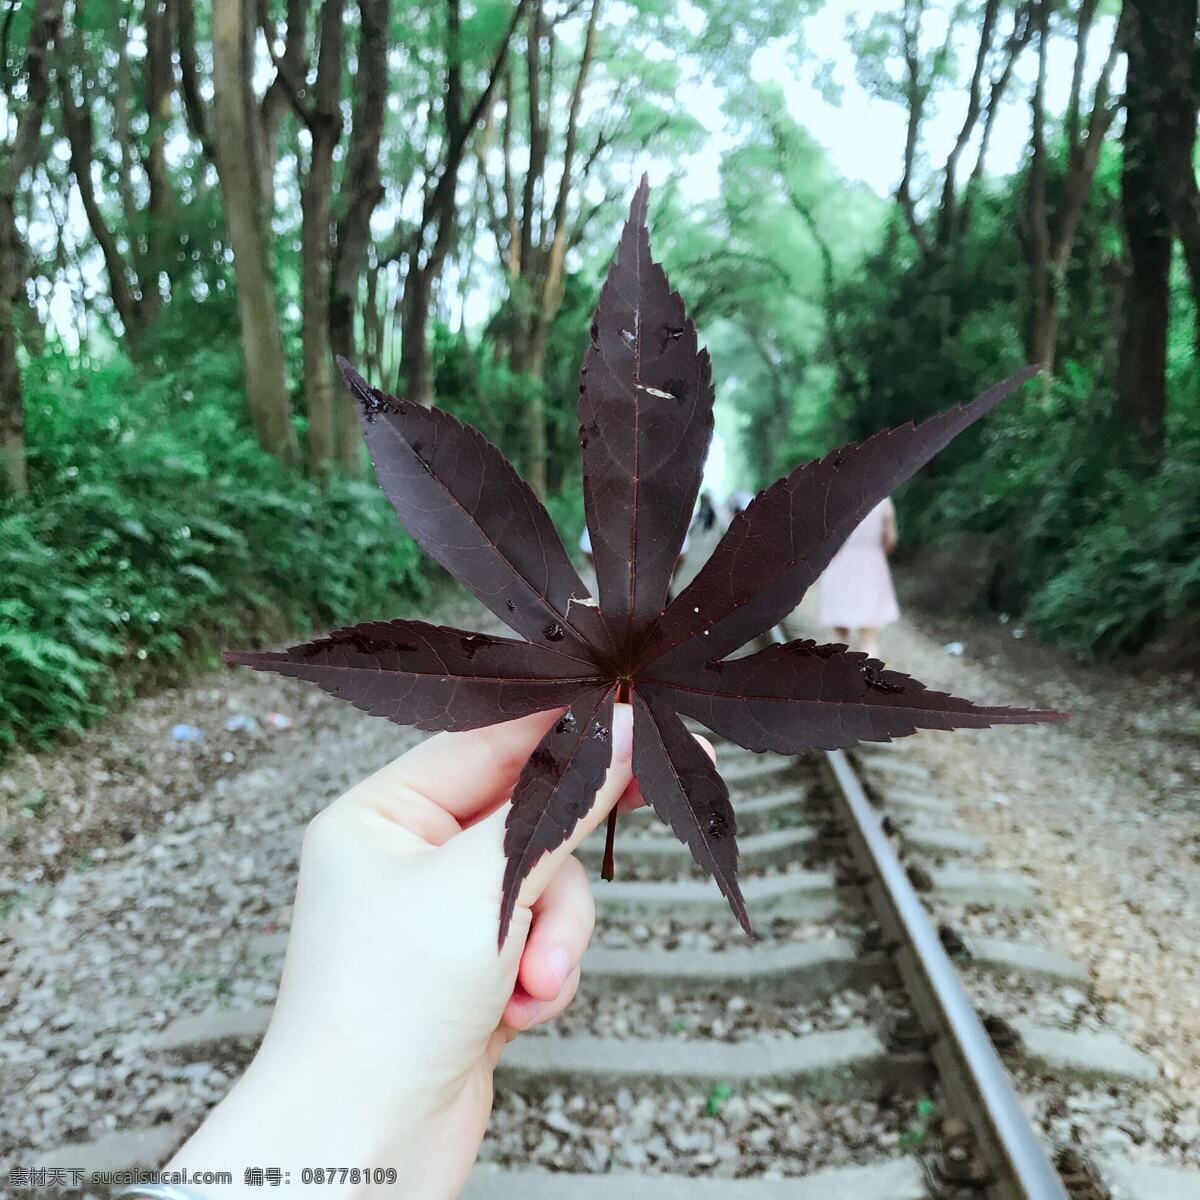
(864,135)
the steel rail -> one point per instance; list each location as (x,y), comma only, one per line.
(970,1070)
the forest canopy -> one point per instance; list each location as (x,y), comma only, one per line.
(202,204)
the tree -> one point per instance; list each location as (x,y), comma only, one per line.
(1051,236)
(536,253)
(1160,131)
(322,117)
(137,238)
(591,93)
(925,69)
(362,188)
(136,304)
(426,246)
(17,157)
(237,139)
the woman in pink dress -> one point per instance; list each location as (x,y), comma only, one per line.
(856,587)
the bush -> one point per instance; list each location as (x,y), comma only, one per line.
(1132,571)
(157,529)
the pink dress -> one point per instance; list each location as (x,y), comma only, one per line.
(856,587)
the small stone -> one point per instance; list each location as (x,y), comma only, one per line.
(632,1155)
(557,1120)
(735,1112)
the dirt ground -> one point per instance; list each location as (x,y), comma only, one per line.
(1102,810)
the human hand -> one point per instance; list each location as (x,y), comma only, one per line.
(394,1006)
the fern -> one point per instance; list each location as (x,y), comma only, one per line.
(156,525)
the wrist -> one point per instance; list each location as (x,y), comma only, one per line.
(317,1125)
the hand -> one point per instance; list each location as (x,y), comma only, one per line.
(394,1005)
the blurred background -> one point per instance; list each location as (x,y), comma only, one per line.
(874,209)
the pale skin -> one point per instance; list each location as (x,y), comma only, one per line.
(395,1006)
(867,638)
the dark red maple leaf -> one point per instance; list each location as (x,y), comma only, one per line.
(645,421)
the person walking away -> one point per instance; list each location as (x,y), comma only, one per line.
(857,596)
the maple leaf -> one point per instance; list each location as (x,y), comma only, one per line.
(645,422)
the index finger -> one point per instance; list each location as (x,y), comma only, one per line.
(451,779)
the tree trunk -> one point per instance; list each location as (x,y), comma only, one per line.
(540,251)
(315,273)
(1159,133)
(12,409)
(189,77)
(416,359)
(1186,215)
(373,332)
(1043,335)
(1050,242)
(238,168)
(77,123)
(160,89)
(325,126)
(364,187)
(15,159)
(1142,389)
(289,77)
(530,361)
(1184,199)
(1041,283)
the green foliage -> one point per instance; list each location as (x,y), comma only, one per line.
(1097,556)
(717,1095)
(1134,568)
(157,529)
(918,1129)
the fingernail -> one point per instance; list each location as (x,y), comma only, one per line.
(560,964)
(622,733)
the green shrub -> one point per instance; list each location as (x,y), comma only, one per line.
(1135,568)
(157,529)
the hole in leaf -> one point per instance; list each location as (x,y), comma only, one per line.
(374,403)
(472,643)
(874,679)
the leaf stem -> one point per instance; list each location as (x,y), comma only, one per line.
(609,869)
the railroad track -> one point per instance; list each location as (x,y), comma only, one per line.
(851,1053)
